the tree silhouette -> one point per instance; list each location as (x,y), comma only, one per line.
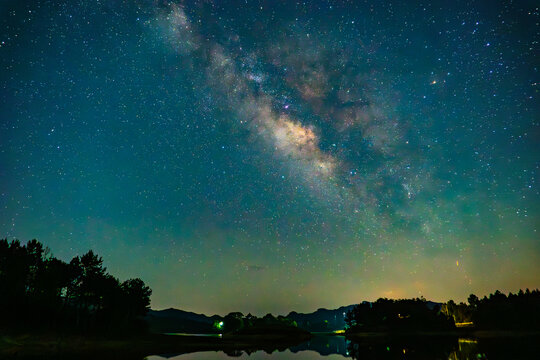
(473,300)
(233,321)
(519,311)
(41,291)
(396,315)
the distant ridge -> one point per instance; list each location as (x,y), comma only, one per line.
(431,304)
(180,321)
(322,319)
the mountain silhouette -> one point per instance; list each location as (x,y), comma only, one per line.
(180,321)
(322,319)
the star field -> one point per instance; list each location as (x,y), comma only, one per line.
(268,156)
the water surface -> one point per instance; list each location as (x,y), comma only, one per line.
(371,348)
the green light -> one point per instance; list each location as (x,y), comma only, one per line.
(218,325)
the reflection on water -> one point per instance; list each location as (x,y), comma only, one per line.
(325,345)
(258,355)
(467,349)
(196,335)
(371,348)
(403,348)
(337,347)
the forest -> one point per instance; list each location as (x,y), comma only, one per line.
(397,315)
(43,293)
(497,311)
(239,324)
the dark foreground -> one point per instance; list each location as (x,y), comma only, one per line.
(141,346)
(366,346)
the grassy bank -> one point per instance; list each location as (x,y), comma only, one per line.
(50,344)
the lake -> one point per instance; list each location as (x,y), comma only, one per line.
(321,347)
(371,348)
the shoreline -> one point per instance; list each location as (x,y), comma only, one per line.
(144,345)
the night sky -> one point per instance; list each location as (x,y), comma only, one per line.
(268,156)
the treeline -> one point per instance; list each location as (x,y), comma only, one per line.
(519,311)
(39,292)
(397,315)
(236,322)
(497,311)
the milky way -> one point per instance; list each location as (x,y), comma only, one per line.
(275,156)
